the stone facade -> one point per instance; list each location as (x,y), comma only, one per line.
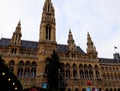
(81,69)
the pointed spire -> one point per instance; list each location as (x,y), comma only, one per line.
(16,38)
(90,45)
(71,44)
(48,25)
(18,28)
(48,7)
(70,36)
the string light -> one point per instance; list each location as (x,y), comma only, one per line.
(13,83)
(15,88)
(3,73)
(9,79)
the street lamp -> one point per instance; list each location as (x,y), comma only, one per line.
(59,79)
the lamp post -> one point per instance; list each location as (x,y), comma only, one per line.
(59,79)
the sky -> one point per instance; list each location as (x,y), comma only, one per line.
(101,18)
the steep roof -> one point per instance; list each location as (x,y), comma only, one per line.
(64,48)
(4,42)
(108,60)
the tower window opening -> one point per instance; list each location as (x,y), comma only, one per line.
(48,33)
(48,8)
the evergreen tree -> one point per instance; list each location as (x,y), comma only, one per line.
(8,81)
(53,71)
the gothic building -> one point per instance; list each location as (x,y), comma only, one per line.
(81,69)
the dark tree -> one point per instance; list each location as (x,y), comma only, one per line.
(53,71)
(8,81)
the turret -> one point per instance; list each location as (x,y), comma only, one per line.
(48,25)
(71,44)
(15,42)
(91,49)
(16,38)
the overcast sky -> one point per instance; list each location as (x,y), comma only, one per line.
(101,18)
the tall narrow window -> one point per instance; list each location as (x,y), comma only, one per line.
(48,33)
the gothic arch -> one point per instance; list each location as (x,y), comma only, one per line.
(67,65)
(90,66)
(96,67)
(80,66)
(21,63)
(20,72)
(12,63)
(33,64)
(27,63)
(85,66)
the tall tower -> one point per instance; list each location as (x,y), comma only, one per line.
(91,49)
(47,38)
(15,42)
(47,26)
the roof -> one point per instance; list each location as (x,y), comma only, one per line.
(4,42)
(33,45)
(64,48)
(24,44)
(107,60)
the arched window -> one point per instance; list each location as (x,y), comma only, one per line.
(86,74)
(62,72)
(76,89)
(80,66)
(83,89)
(21,63)
(33,64)
(90,66)
(74,71)
(69,89)
(11,69)
(67,70)
(97,74)
(91,73)
(12,63)
(27,63)
(68,73)
(85,66)
(106,89)
(81,74)
(48,32)
(33,72)
(110,89)
(114,89)
(96,67)
(27,72)
(118,89)
(20,72)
